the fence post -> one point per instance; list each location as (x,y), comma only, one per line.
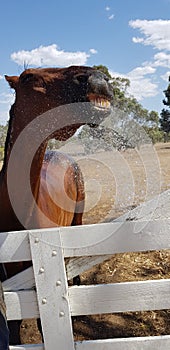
(52,289)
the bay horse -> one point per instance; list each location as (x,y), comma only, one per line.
(49,103)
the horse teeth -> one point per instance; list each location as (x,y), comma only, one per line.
(101,103)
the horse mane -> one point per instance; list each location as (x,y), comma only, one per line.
(8,137)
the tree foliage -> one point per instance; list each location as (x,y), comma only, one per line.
(165,114)
(166,101)
(3,133)
(165,123)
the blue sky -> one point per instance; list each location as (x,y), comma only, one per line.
(130,37)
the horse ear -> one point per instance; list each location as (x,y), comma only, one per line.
(12,81)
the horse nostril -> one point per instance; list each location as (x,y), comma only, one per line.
(99,84)
(106,78)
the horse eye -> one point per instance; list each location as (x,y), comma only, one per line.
(26,78)
(81,78)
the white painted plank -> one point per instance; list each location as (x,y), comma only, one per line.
(76,266)
(120,297)
(143,343)
(92,239)
(111,238)
(21,305)
(21,281)
(157,208)
(52,289)
(136,343)
(14,246)
(84,300)
(116,237)
(97,239)
(27,347)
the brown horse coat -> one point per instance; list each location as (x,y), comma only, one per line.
(56,182)
(39,189)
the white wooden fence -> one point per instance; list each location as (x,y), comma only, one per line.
(54,302)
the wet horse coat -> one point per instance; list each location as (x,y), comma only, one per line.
(38,92)
(54,194)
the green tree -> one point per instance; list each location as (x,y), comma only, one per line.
(3,133)
(166,101)
(165,114)
(165,123)
(152,127)
(153,118)
(103,69)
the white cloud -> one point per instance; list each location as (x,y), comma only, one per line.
(166,76)
(162,59)
(1,77)
(4,116)
(141,85)
(93,51)
(49,56)
(156,32)
(137,40)
(6,98)
(107,8)
(111,17)
(139,72)
(142,88)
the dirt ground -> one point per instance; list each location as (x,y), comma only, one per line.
(116,183)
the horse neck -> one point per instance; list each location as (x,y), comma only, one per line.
(17,197)
(19,148)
